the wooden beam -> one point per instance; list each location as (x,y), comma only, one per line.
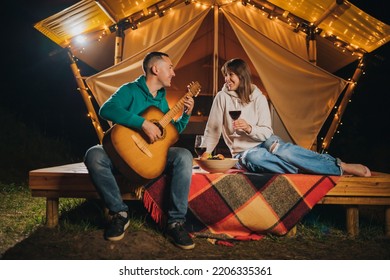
(86,97)
(343,104)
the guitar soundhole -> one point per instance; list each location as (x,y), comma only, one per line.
(163,131)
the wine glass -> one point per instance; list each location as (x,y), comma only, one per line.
(235,114)
(200,146)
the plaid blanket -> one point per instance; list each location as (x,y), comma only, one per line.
(242,206)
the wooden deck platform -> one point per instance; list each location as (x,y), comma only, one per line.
(72,180)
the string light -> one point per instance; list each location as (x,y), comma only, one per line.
(270,10)
(267,9)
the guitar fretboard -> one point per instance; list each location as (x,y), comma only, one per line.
(193,91)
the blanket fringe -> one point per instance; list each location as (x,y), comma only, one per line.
(155,212)
(220,242)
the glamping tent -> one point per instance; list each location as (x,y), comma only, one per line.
(293,47)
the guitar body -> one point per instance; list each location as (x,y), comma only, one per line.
(130,150)
(132,153)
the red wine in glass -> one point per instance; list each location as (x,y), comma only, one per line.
(199,145)
(200,150)
(235,114)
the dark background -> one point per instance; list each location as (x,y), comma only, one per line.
(40,90)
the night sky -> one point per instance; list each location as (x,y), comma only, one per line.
(40,90)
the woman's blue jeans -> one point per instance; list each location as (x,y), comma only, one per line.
(178,167)
(276,156)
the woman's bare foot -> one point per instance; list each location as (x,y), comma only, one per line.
(355,169)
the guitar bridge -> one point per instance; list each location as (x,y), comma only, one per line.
(142,145)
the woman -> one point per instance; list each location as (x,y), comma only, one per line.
(256,147)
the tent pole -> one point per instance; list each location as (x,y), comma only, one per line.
(343,104)
(215,54)
(312,45)
(119,33)
(86,97)
(118,45)
(312,51)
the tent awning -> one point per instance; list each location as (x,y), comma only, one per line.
(345,23)
(346,30)
(273,36)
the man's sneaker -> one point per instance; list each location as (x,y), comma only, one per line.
(179,236)
(117,227)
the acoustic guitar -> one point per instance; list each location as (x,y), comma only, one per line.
(132,153)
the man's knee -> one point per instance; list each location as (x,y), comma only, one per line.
(94,155)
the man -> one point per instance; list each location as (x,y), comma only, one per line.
(124,107)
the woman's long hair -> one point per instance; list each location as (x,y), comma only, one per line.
(242,70)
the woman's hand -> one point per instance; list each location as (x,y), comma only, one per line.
(242,125)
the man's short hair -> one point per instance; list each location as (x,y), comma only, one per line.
(150,59)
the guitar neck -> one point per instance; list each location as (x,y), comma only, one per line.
(166,119)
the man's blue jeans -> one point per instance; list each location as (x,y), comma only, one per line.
(178,167)
(276,156)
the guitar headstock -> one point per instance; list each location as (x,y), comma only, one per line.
(194,88)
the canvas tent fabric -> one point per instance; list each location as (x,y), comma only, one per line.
(92,19)
(368,33)
(171,34)
(302,94)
